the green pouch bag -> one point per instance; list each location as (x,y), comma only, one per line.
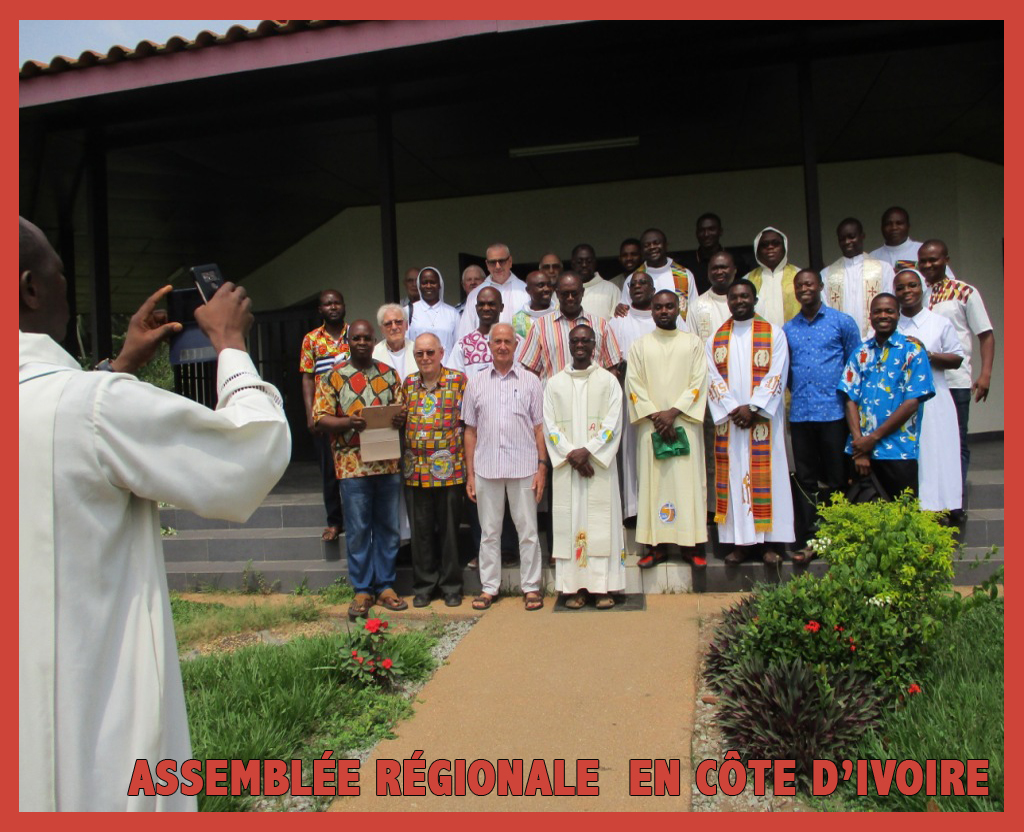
(677,447)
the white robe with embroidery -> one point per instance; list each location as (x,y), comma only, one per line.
(852,298)
(666,369)
(583,409)
(635,324)
(99,681)
(723,398)
(938,460)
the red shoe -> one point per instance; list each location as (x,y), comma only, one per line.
(651,559)
(699,561)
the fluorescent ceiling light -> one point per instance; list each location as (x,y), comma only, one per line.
(572,147)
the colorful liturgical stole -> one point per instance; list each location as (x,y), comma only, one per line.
(760,433)
(681,278)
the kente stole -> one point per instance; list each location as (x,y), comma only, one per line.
(681,279)
(760,433)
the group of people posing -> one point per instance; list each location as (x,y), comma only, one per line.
(648,401)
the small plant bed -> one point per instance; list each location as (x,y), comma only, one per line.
(295,697)
(819,668)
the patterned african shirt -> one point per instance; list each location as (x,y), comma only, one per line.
(434,454)
(879,379)
(344,392)
(320,351)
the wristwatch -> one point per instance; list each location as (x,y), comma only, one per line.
(105,365)
(754,408)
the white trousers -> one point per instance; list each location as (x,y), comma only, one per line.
(490,503)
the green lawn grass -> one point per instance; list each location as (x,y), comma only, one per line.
(958,715)
(283,701)
(197,621)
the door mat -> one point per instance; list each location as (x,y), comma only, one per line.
(629,602)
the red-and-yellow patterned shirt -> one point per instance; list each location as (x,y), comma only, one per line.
(320,351)
(434,454)
(346,390)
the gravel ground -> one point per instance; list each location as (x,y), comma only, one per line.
(453,633)
(708,744)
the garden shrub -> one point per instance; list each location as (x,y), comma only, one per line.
(803,668)
(780,710)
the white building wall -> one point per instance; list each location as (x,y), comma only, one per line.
(949,196)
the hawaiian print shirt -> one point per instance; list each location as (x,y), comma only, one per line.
(879,379)
(344,392)
(434,454)
(320,351)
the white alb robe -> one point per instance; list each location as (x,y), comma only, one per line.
(847,286)
(600,297)
(666,369)
(635,324)
(583,409)
(708,314)
(723,398)
(938,460)
(903,256)
(99,681)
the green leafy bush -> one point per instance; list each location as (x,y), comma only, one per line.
(781,710)
(876,611)
(900,549)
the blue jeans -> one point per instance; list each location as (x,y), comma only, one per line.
(371,530)
(962,400)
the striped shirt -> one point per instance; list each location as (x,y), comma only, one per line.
(505,410)
(546,349)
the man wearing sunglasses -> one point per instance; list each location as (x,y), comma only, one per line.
(513,290)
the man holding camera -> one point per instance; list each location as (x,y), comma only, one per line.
(99,682)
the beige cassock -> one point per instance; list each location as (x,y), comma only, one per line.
(666,369)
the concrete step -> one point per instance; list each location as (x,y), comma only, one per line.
(256,544)
(984,527)
(971,566)
(276,512)
(982,495)
(974,564)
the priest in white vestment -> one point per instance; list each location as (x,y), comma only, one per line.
(748,361)
(899,251)
(600,296)
(852,281)
(99,681)
(666,384)
(513,290)
(582,429)
(706,317)
(637,323)
(938,459)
